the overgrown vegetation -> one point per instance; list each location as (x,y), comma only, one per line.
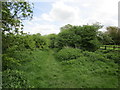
(70,59)
(68,54)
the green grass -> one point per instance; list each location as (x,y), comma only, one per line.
(110,47)
(44,71)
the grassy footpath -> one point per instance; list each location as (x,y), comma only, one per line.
(44,71)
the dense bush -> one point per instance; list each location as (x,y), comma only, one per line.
(115,56)
(52,40)
(14,79)
(83,37)
(94,56)
(15,59)
(9,62)
(68,54)
(93,63)
(112,55)
(68,38)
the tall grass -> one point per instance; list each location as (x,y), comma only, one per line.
(90,70)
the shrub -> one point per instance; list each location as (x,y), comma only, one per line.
(68,54)
(9,62)
(70,62)
(113,56)
(13,79)
(93,56)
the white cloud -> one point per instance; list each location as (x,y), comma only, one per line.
(83,11)
(62,13)
(41,28)
(107,12)
(75,12)
(46,17)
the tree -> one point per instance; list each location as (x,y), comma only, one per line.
(114,33)
(52,40)
(89,37)
(12,15)
(104,38)
(83,37)
(66,27)
(68,38)
(40,41)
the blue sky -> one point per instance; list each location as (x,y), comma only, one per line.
(41,7)
(50,15)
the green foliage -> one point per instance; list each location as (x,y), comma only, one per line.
(89,37)
(104,38)
(15,59)
(13,13)
(68,54)
(13,42)
(28,61)
(52,40)
(23,42)
(107,56)
(45,71)
(110,37)
(40,41)
(68,38)
(96,66)
(114,56)
(9,62)
(114,33)
(28,42)
(104,51)
(42,70)
(83,37)
(14,79)
(92,56)
(66,27)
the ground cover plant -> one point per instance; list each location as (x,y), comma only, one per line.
(68,54)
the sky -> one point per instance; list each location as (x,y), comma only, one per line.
(50,15)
